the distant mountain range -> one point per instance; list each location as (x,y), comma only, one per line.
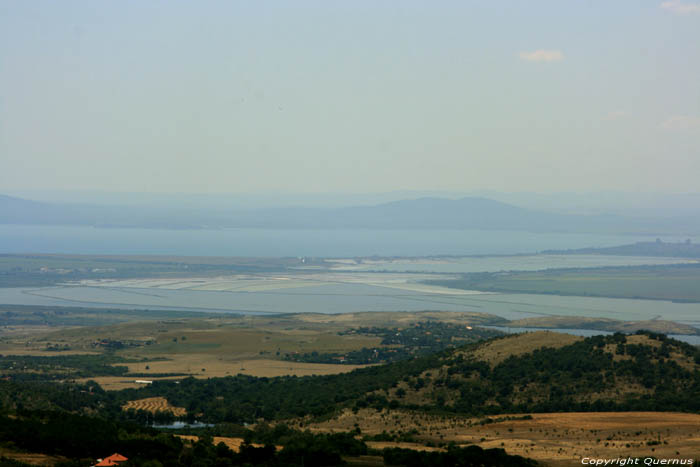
(422,213)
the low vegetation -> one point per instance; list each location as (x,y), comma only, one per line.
(69,316)
(605,324)
(422,338)
(666,282)
(50,269)
(658,248)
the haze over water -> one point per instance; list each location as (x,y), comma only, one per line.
(293,242)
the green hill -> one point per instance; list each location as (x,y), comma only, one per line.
(534,372)
(644,371)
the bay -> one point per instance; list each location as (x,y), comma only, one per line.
(293,242)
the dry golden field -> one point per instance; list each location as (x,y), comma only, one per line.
(192,365)
(116,383)
(554,439)
(31,458)
(233,444)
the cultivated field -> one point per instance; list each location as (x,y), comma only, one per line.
(153,405)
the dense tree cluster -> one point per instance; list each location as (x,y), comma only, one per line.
(422,338)
(80,437)
(69,397)
(40,368)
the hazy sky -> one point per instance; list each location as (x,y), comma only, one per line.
(354,96)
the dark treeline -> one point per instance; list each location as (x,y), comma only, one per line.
(39,368)
(82,439)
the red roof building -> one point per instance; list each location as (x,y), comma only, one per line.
(114,459)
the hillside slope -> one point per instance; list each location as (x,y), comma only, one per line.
(527,373)
(535,372)
(644,371)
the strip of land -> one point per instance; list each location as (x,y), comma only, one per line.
(678,283)
(605,324)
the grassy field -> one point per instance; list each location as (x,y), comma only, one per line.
(203,348)
(676,283)
(155,346)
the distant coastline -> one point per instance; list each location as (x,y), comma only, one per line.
(686,249)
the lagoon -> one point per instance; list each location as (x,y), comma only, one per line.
(348,297)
